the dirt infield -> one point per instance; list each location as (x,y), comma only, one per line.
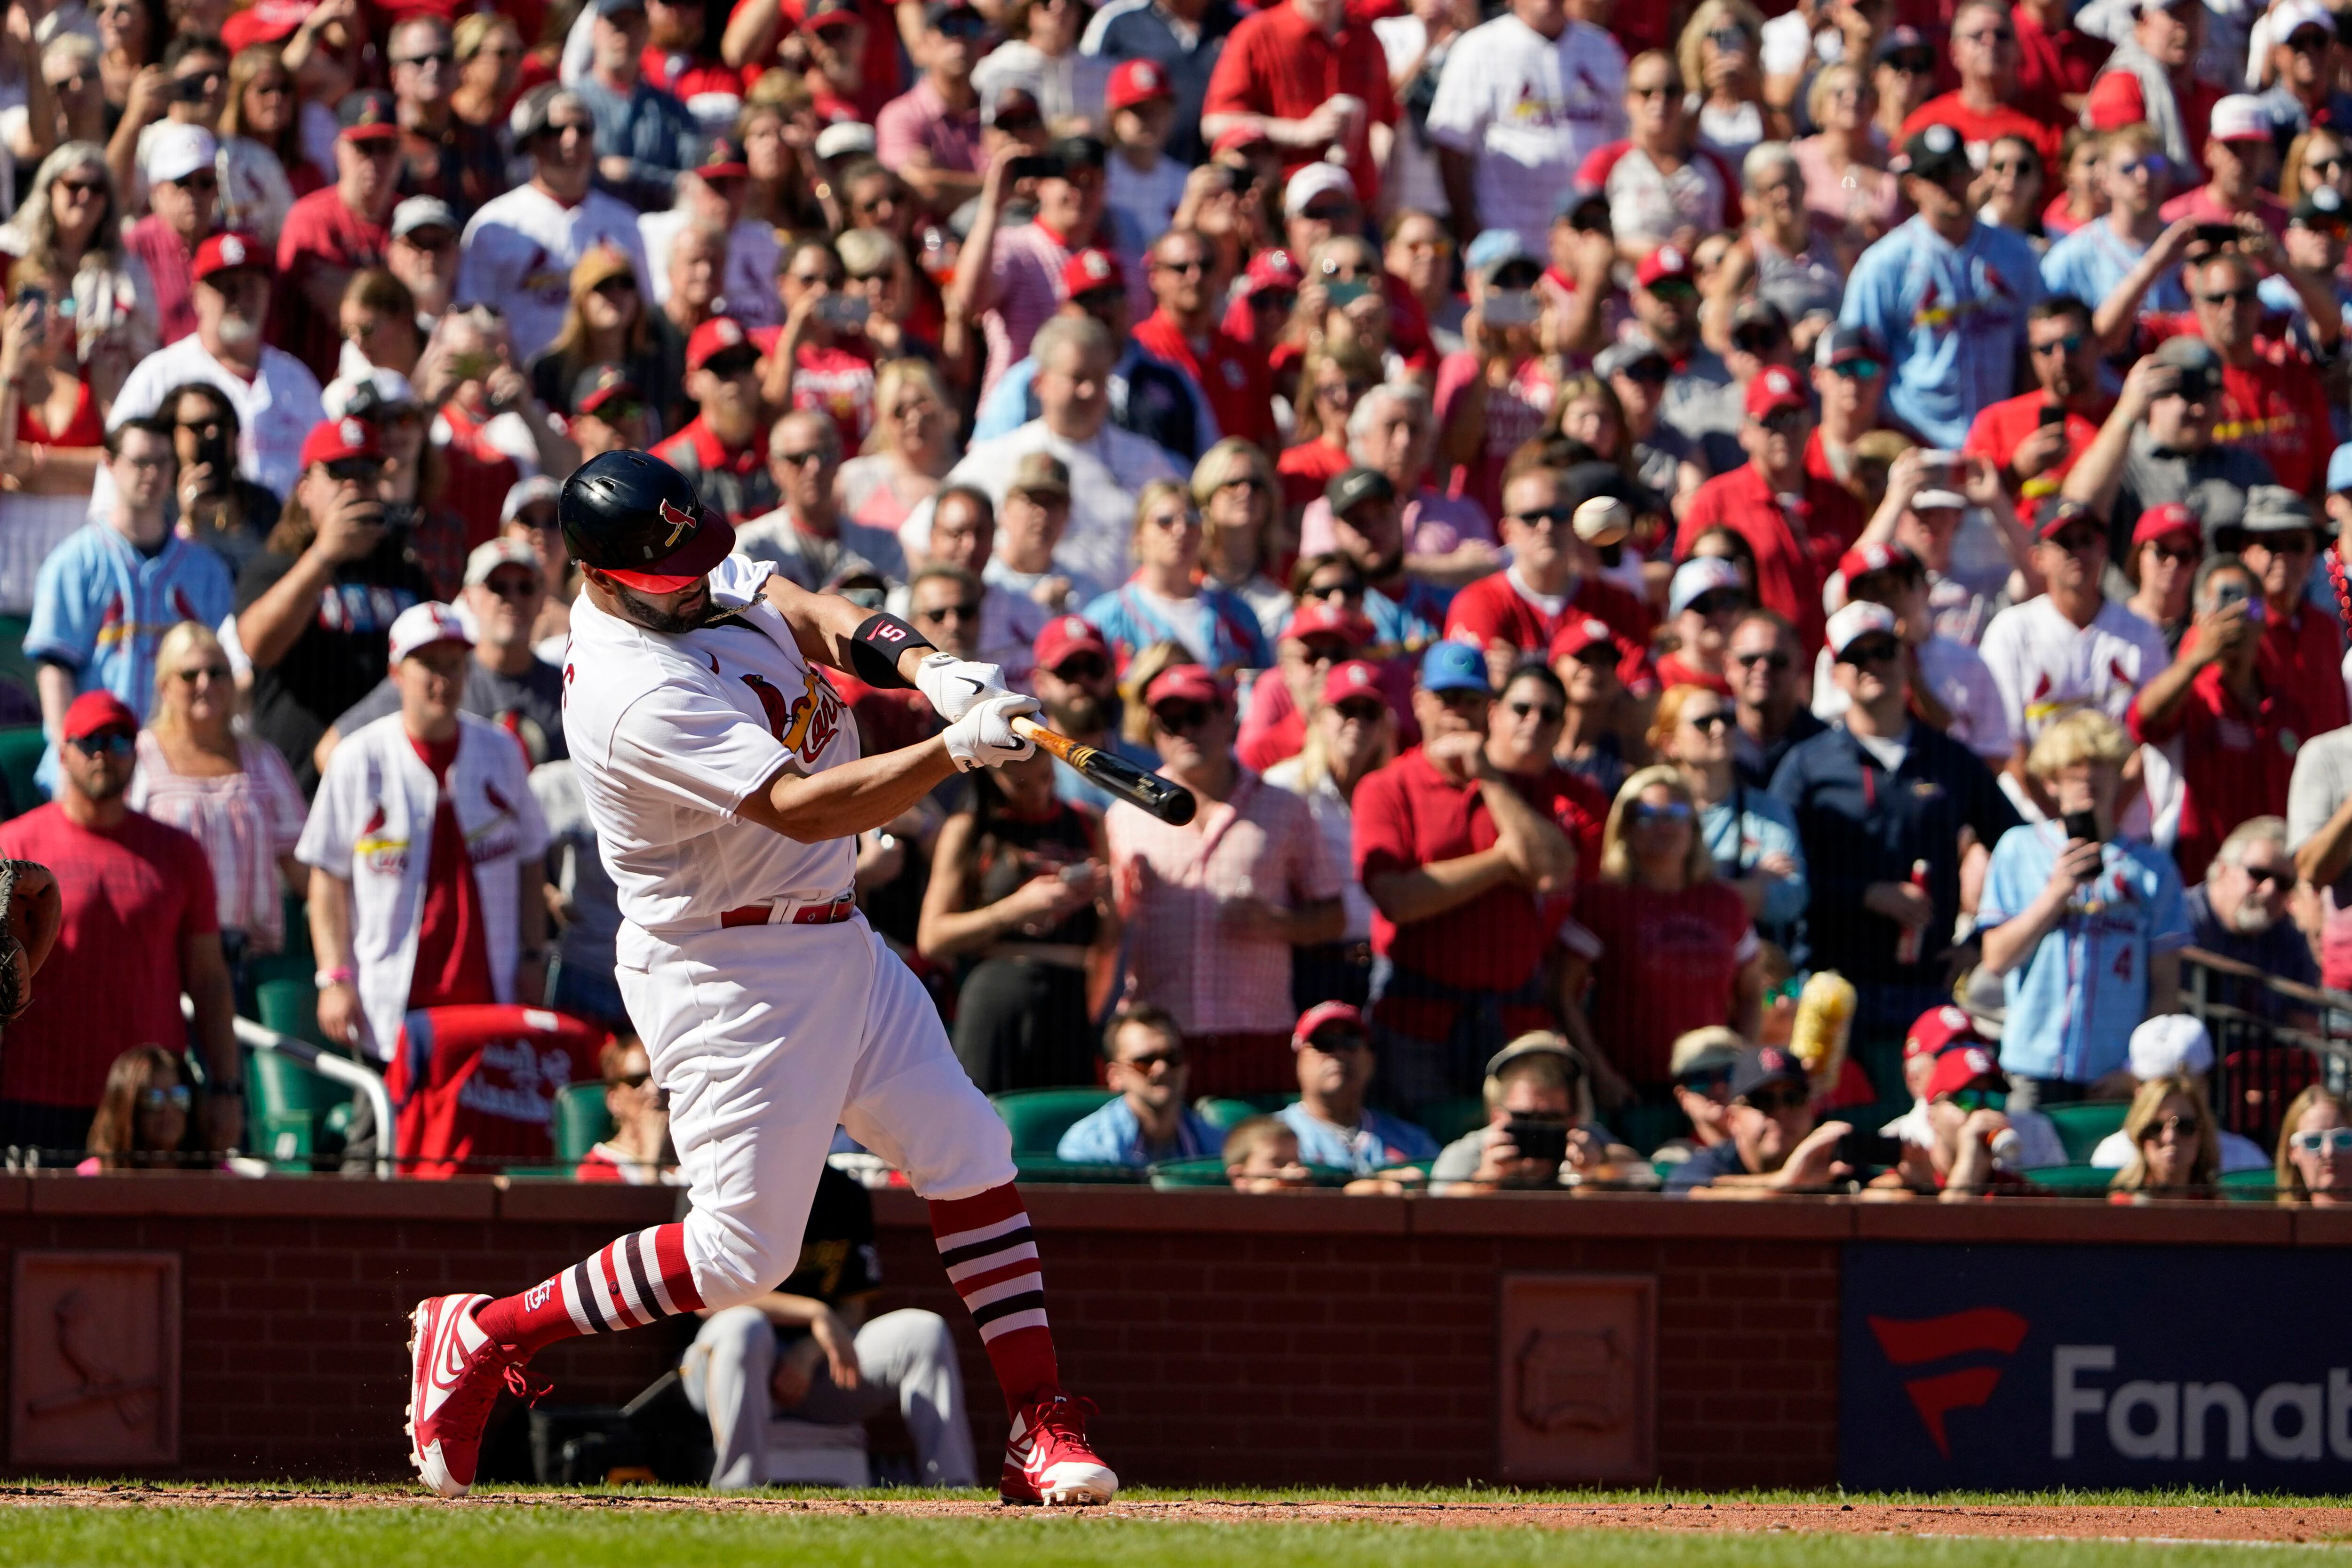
(2277,1522)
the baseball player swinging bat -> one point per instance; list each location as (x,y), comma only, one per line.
(1172,803)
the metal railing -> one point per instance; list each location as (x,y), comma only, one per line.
(2271,1037)
(327,1065)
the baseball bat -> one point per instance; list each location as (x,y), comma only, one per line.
(1170,803)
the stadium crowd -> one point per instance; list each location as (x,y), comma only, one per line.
(1612,510)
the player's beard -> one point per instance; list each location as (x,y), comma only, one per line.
(646,613)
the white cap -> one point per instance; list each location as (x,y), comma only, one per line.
(421,625)
(2241,116)
(1315,180)
(390,389)
(492,554)
(1698,576)
(175,150)
(523,492)
(844,138)
(1936,500)
(1858,619)
(423,212)
(2289,15)
(2170,1043)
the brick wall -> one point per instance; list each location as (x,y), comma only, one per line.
(1297,1340)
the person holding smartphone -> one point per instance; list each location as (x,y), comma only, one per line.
(2084,928)
(1540,1125)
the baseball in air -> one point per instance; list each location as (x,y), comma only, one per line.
(1603,520)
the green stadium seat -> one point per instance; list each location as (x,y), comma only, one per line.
(14,665)
(1032,1169)
(581,1121)
(295,1113)
(1449,1118)
(1644,1127)
(1223,1114)
(20,753)
(2258,1185)
(2083,1124)
(1174,1176)
(2073,1181)
(290,1006)
(1038,1117)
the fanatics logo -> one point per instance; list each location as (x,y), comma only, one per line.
(1916,1341)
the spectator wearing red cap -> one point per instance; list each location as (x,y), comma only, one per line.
(519,249)
(1074,678)
(1664,188)
(330,234)
(2167,543)
(274,394)
(1970,1149)
(1352,732)
(315,610)
(1313,79)
(426,848)
(441,155)
(2237,739)
(1775,1146)
(1553,576)
(1182,332)
(1010,279)
(1214,907)
(1584,654)
(1467,877)
(2151,79)
(1142,181)
(1166,602)
(1320,634)
(1798,524)
(139,927)
(720,449)
(1019,904)
(1184,38)
(1939,1031)
(2239,154)
(1333,1045)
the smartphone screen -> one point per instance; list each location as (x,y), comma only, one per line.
(2084,825)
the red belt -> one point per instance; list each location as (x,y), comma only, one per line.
(833,913)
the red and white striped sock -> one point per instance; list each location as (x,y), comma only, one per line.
(636,1280)
(991,1260)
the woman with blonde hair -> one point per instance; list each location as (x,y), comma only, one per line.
(261,161)
(2314,1149)
(2174,1151)
(908,452)
(1165,600)
(70,227)
(1234,485)
(1330,378)
(234,797)
(606,323)
(2320,156)
(489,51)
(1751,832)
(1845,184)
(1718,55)
(1666,946)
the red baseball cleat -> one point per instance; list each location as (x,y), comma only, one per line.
(455,1376)
(1047,1460)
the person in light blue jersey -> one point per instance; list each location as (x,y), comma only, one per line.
(2092,263)
(1946,295)
(1334,1047)
(1149,1121)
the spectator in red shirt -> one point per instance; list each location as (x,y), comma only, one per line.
(1664,945)
(2301,645)
(2151,79)
(1983,107)
(1798,524)
(473,1087)
(1553,576)
(2273,402)
(184,192)
(929,135)
(140,924)
(1467,878)
(2017,435)
(1309,78)
(2239,152)
(332,234)
(720,449)
(2055,60)
(2236,759)
(1183,332)
(638,1154)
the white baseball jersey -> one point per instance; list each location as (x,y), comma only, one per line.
(2046,666)
(1528,109)
(519,250)
(670,734)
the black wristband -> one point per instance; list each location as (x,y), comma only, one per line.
(876,648)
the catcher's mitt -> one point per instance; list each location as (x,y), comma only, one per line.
(24,886)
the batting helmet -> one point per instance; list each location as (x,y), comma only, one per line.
(633,516)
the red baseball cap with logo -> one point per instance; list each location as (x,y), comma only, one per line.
(1864,559)
(95,710)
(263,23)
(1578,634)
(1185,683)
(1667,264)
(1089,269)
(228,252)
(714,338)
(2164,522)
(1274,269)
(1323,618)
(1066,634)
(1353,677)
(1138,81)
(1938,1030)
(1776,391)
(332,440)
(1965,1068)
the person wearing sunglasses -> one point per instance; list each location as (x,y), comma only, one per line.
(1775,1145)
(2036,436)
(808,537)
(1750,832)
(1584,655)
(137,927)
(1075,679)
(1936,1033)
(2168,542)
(2241,912)
(1982,108)
(1951,687)
(2173,1150)
(1697,397)
(332,233)
(1701,1067)
(1218,905)
(2172,1049)
(2121,248)
(2218,701)
(1970,1149)
(1553,576)
(2314,1149)
(1768,716)
(638,1154)
(183,197)
(144,1116)
(1351,734)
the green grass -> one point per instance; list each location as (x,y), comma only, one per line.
(526,1532)
(537,1537)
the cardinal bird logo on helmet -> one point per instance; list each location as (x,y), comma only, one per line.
(681,522)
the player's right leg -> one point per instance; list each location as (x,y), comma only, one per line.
(754,1066)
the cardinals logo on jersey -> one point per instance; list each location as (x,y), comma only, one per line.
(386,856)
(807,726)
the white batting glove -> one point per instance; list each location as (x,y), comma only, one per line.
(984,738)
(956,685)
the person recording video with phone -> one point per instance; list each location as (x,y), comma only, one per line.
(2084,929)
(2158,445)
(218,506)
(1541,1126)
